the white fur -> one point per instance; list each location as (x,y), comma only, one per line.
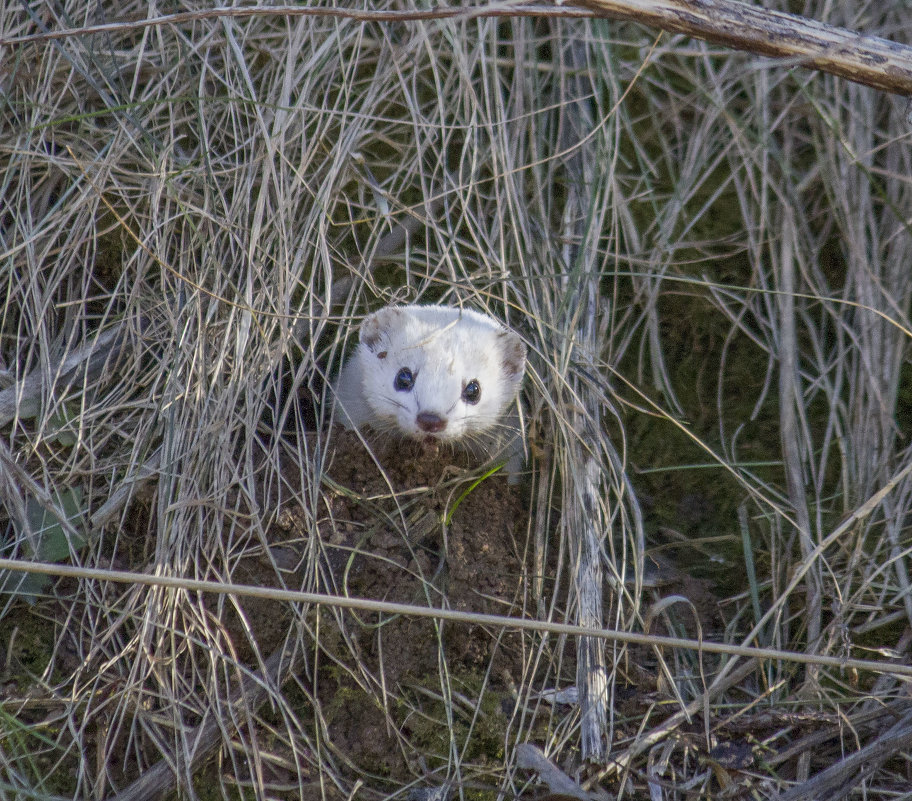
(444,348)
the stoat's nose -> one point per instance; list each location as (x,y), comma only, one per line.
(430,422)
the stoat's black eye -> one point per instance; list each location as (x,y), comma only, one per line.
(404,380)
(472,392)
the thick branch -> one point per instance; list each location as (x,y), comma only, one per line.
(869,60)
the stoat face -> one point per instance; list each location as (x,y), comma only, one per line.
(436,372)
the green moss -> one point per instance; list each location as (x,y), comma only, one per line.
(27,643)
(477,736)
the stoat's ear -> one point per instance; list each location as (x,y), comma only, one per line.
(514,354)
(376,326)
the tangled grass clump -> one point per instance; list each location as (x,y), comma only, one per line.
(708,257)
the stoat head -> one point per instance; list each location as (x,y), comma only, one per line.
(436,372)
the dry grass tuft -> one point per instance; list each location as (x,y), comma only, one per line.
(708,256)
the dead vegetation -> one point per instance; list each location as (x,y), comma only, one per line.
(708,256)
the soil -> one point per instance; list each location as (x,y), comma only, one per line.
(390,695)
(412,525)
(407,524)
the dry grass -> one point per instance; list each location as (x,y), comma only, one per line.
(708,255)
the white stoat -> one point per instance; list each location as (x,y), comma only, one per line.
(433,373)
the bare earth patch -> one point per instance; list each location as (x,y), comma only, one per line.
(383,537)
